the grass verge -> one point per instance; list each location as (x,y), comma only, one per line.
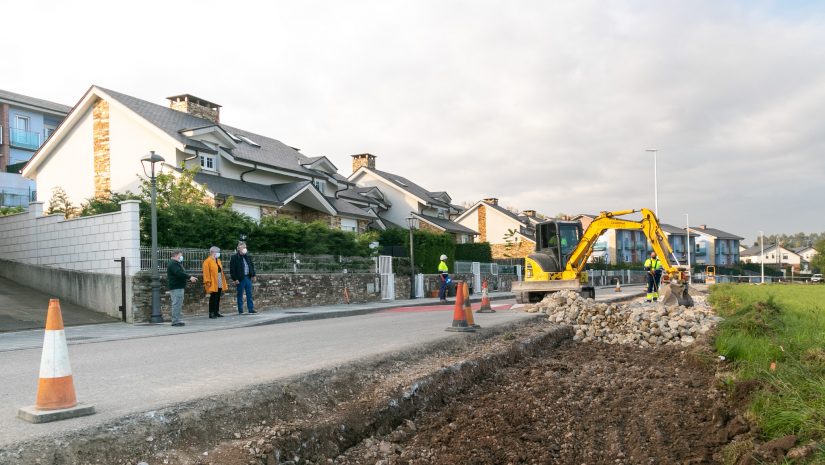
(783,327)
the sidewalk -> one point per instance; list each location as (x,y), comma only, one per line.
(33,339)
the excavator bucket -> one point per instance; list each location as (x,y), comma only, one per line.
(676,294)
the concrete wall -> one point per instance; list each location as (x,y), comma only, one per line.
(96,291)
(88,244)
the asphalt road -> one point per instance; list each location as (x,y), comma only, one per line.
(136,375)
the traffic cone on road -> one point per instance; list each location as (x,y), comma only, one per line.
(618,285)
(485,300)
(468,309)
(56,398)
(459,318)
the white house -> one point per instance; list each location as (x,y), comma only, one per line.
(99,145)
(404,199)
(772,256)
(510,235)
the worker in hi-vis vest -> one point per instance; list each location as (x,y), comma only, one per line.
(445,278)
(654,274)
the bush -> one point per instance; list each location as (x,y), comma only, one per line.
(474,252)
(428,247)
(11,210)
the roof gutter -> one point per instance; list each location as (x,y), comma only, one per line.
(254,168)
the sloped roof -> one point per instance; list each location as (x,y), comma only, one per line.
(52,107)
(273,195)
(717,233)
(271,152)
(447,225)
(347,209)
(412,188)
(669,228)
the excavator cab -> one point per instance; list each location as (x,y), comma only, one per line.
(557,240)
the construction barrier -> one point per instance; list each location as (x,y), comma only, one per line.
(459,317)
(56,398)
(468,309)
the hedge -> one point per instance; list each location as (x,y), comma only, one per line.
(474,252)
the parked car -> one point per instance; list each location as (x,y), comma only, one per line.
(817,278)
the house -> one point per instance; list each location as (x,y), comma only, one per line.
(715,247)
(807,254)
(510,235)
(405,199)
(677,238)
(106,134)
(604,250)
(772,256)
(25,123)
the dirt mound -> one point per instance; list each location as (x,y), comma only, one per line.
(639,323)
(581,403)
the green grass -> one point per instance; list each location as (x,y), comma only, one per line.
(783,324)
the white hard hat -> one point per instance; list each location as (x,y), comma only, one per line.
(443,257)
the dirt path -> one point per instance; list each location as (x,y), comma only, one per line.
(577,404)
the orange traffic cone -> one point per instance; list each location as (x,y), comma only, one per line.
(485,300)
(468,309)
(459,319)
(56,399)
(618,285)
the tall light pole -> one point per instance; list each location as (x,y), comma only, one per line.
(412,222)
(687,247)
(655,184)
(149,161)
(762,254)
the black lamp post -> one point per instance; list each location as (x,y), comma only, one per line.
(412,222)
(149,162)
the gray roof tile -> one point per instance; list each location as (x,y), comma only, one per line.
(12,98)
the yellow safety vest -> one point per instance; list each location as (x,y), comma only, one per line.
(442,267)
(653,264)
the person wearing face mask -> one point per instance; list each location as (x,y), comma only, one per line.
(242,272)
(214,281)
(176,277)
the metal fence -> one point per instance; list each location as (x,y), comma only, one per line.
(265,262)
(485,268)
(11,197)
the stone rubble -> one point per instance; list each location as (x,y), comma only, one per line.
(639,323)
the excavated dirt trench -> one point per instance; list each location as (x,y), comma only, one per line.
(522,394)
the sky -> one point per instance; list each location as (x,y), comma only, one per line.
(546,105)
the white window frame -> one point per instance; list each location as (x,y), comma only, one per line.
(205,159)
(318,185)
(18,119)
(349,228)
(48,130)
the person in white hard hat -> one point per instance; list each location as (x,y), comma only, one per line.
(445,278)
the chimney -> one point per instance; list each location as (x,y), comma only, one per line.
(196,107)
(703,226)
(529,213)
(491,200)
(363,159)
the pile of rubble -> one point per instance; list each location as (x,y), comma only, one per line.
(641,323)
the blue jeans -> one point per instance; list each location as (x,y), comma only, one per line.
(442,293)
(245,285)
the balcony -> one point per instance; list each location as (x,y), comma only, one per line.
(23,139)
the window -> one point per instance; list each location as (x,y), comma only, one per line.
(21,122)
(784,256)
(319,185)
(47,131)
(208,162)
(349,224)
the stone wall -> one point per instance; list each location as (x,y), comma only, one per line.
(520,249)
(100,139)
(269,291)
(482,223)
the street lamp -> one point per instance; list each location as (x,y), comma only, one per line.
(655,184)
(762,254)
(687,247)
(149,162)
(412,222)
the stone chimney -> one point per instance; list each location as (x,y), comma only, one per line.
(529,213)
(491,200)
(363,159)
(196,107)
(703,226)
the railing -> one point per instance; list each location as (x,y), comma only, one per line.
(264,262)
(488,268)
(16,197)
(24,139)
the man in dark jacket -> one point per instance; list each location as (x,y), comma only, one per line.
(242,272)
(177,277)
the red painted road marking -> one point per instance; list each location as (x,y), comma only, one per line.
(437,308)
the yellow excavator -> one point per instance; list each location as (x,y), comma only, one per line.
(562,250)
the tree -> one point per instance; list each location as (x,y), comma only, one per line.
(510,242)
(179,189)
(61,204)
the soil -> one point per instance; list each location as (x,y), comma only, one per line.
(578,404)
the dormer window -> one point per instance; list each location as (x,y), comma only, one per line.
(319,185)
(208,163)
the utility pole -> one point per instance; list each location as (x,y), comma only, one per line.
(655,184)
(762,254)
(687,247)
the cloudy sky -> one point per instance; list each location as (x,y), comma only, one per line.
(547,105)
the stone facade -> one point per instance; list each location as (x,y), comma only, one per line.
(424,226)
(196,107)
(102,156)
(363,226)
(518,250)
(482,223)
(363,159)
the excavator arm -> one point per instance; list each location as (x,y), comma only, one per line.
(649,225)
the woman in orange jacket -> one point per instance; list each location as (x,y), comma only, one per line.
(214,281)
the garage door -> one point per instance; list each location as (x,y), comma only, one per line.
(252,211)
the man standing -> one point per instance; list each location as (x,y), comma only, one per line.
(442,272)
(176,278)
(242,272)
(654,273)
